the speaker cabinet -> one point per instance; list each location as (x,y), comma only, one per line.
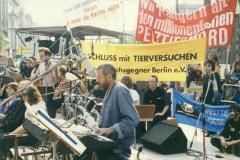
(165,139)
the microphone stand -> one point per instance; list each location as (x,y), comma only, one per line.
(202,115)
(39,77)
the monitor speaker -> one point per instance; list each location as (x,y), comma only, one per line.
(165,139)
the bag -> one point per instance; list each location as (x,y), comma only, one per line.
(14,117)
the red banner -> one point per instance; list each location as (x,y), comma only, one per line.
(213,21)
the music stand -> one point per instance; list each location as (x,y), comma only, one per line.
(76,82)
(146,113)
(68,138)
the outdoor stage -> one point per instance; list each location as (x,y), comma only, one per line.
(197,146)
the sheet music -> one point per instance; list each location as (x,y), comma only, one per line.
(68,138)
(77,130)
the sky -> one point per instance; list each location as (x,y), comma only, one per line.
(50,12)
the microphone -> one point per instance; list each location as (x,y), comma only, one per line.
(210,77)
(90,121)
(83,58)
(95,89)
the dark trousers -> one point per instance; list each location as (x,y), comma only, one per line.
(56,104)
(216,142)
(48,99)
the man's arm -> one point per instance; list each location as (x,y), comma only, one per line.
(224,143)
(165,109)
(129,115)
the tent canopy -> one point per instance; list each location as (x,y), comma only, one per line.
(77,32)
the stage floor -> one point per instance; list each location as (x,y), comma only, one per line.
(197,146)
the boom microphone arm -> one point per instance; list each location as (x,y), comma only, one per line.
(83,58)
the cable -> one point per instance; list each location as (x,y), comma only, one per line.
(198,154)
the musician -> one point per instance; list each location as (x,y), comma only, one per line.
(118,116)
(11,88)
(48,81)
(32,96)
(15,116)
(63,86)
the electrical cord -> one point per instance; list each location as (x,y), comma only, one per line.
(199,155)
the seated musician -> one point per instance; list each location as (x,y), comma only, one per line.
(32,96)
(118,117)
(15,116)
(63,86)
(11,88)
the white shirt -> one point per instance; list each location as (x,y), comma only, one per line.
(34,108)
(134,94)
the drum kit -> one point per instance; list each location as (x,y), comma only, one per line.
(78,97)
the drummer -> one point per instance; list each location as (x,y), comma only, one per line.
(63,86)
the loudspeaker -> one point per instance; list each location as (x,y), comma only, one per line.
(28,38)
(165,139)
(48,44)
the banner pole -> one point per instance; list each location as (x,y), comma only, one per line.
(228,50)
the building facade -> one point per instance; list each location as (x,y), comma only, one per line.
(12,15)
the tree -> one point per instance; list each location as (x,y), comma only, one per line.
(2,40)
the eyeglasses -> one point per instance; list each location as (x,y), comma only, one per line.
(151,81)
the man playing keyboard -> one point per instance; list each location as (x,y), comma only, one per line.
(118,116)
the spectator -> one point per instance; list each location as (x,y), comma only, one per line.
(127,81)
(157,96)
(229,141)
(22,68)
(28,69)
(11,66)
(214,57)
(211,86)
(211,83)
(235,71)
